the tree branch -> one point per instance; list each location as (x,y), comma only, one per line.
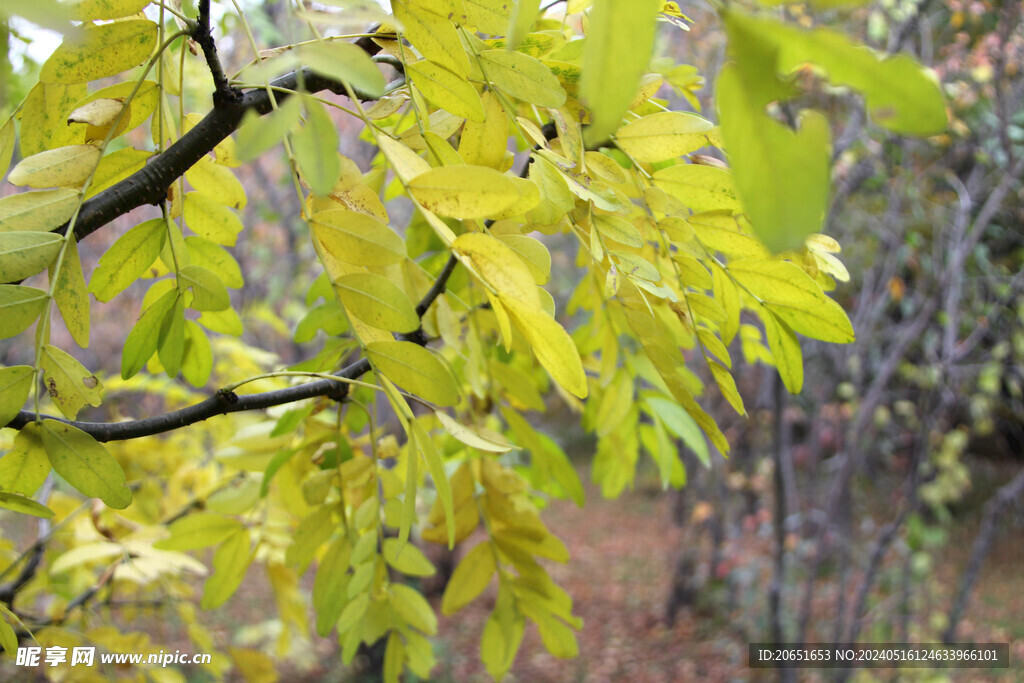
(223,94)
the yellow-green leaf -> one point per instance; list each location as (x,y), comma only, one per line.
(43,210)
(23,469)
(315,146)
(19,307)
(230,563)
(523,77)
(208,292)
(358,239)
(415,369)
(378,301)
(198,530)
(142,340)
(664,135)
(68,382)
(524,14)
(61,167)
(99,50)
(447,90)
(92,10)
(620,38)
(127,259)
(413,608)
(216,259)
(484,143)
(258,134)
(791,294)
(23,254)
(115,167)
(470,578)
(71,295)
(499,267)
(15,383)
(85,464)
(618,229)
(24,505)
(785,350)
(330,587)
(464,191)
(7,140)
(344,62)
(43,124)
(437,472)
(407,558)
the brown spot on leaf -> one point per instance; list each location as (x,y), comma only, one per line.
(52,388)
(90,382)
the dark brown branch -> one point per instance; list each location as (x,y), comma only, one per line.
(223,95)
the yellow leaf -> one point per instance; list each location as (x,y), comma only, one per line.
(664,135)
(60,167)
(553,347)
(464,191)
(433,35)
(198,530)
(43,118)
(447,90)
(211,219)
(230,563)
(785,350)
(484,143)
(216,182)
(470,578)
(115,167)
(378,301)
(98,51)
(701,188)
(407,558)
(498,266)
(71,295)
(92,10)
(720,231)
(43,210)
(357,238)
(415,369)
(471,437)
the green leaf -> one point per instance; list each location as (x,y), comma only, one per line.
(97,51)
(19,307)
(19,503)
(258,134)
(407,558)
(171,340)
(315,147)
(679,422)
(523,77)
(312,532)
(43,210)
(230,563)
(464,191)
(415,369)
(211,219)
(23,469)
(358,239)
(664,135)
(85,464)
(620,39)
(23,254)
(470,578)
(68,382)
(208,292)
(198,530)
(142,341)
(447,90)
(378,301)
(344,62)
(71,296)
(15,383)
